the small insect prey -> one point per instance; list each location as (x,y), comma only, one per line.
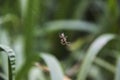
(63,39)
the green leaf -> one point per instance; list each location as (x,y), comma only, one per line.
(11,60)
(81,8)
(29,22)
(23,7)
(8,18)
(117,74)
(92,52)
(104,64)
(54,66)
(3,76)
(71,25)
(36,74)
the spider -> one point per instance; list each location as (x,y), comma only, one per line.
(63,39)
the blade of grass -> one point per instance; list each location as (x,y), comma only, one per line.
(113,8)
(92,52)
(117,74)
(105,64)
(23,71)
(54,66)
(63,9)
(3,76)
(108,20)
(29,22)
(11,60)
(71,25)
(7,17)
(23,7)
(4,39)
(36,74)
(80,8)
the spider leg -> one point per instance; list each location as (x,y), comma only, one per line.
(60,36)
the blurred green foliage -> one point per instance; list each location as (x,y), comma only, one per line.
(32,28)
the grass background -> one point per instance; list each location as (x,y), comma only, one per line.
(32,28)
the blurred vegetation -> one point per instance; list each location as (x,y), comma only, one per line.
(32,29)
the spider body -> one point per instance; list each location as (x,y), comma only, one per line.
(63,39)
